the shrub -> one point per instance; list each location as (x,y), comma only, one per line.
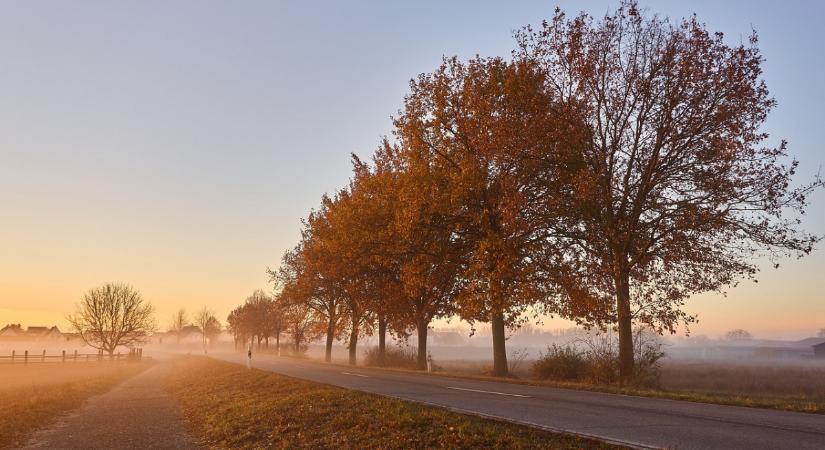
(595,359)
(399,357)
(561,363)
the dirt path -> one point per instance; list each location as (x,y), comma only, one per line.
(136,414)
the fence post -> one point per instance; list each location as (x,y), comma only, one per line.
(26,357)
(75,355)
(64,357)
(12,356)
(118,356)
(44,356)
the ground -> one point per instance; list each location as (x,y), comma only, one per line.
(196,402)
(234,407)
(32,395)
(137,413)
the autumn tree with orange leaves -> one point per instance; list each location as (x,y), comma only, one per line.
(677,191)
(417,253)
(485,125)
(607,172)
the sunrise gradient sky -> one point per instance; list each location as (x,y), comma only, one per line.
(176,145)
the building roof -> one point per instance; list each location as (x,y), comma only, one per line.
(43,331)
(13,329)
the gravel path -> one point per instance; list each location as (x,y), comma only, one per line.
(136,414)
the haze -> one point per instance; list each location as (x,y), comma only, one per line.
(177,148)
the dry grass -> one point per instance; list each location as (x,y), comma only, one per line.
(34,394)
(232,407)
(799,387)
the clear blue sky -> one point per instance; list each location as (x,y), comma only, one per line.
(175,145)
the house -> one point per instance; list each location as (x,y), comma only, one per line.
(12,331)
(43,333)
(190,334)
(819,350)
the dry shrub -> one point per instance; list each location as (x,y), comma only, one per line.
(561,363)
(399,357)
(595,359)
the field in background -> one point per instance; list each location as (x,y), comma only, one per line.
(803,382)
(32,395)
(232,407)
(798,386)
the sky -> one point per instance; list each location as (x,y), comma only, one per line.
(175,146)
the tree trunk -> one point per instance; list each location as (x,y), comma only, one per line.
(499,346)
(353,345)
(278,342)
(330,337)
(625,324)
(421,328)
(382,340)
(266,342)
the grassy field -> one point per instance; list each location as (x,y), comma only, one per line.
(32,395)
(799,387)
(230,406)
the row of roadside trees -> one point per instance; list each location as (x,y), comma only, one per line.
(604,173)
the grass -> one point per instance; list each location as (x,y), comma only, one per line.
(35,394)
(230,406)
(796,388)
(786,388)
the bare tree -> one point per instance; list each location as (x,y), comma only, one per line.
(209,325)
(178,322)
(111,316)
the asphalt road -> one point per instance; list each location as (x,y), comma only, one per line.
(632,421)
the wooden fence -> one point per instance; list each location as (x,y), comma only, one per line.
(26,357)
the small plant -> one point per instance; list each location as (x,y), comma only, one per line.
(516,359)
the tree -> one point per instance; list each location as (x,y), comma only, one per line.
(480,126)
(302,324)
(265,317)
(416,259)
(303,277)
(238,324)
(674,191)
(209,325)
(178,322)
(340,236)
(274,321)
(111,316)
(738,335)
(821,333)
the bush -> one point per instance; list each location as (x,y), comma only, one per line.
(561,363)
(595,359)
(398,357)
